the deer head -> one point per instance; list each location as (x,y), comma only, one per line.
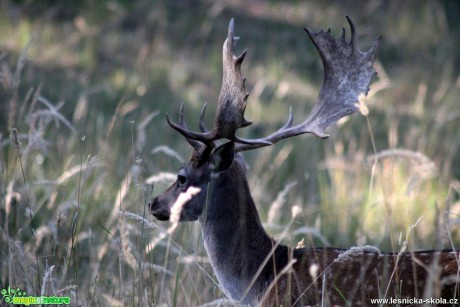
(196,173)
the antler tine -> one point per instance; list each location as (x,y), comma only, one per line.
(347,74)
(202,125)
(352,30)
(182,129)
(205,137)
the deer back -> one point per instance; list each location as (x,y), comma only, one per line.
(338,277)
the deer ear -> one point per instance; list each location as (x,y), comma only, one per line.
(222,157)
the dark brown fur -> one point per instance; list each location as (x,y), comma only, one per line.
(355,276)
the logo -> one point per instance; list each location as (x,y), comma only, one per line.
(19,297)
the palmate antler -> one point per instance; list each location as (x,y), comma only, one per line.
(347,74)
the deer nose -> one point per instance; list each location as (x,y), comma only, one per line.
(159,212)
(153,204)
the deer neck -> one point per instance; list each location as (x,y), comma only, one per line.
(235,240)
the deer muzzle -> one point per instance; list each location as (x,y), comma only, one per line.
(158,210)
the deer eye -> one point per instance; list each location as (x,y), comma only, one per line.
(181,179)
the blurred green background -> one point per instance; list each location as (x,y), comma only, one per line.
(87,83)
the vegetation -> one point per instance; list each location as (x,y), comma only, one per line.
(84,145)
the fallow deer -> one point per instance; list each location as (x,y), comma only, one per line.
(253,268)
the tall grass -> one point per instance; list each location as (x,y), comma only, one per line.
(81,90)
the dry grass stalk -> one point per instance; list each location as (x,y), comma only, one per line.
(401,252)
(112,301)
(155,241)
(169,152)
(176,208)
(141,135)
(120,195)
(424,166)
(128,249)
(275,208)
(163,176)
(46,278)
(362,105)
(146,224)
